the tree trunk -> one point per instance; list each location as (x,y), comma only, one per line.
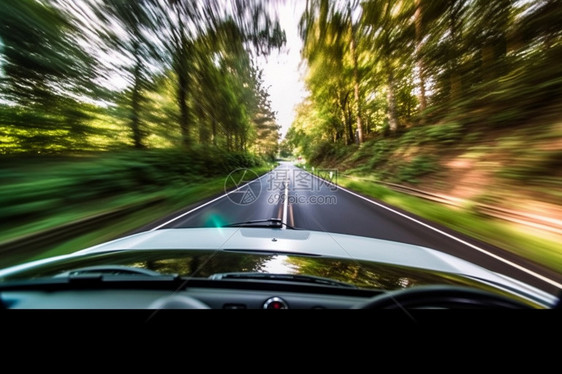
(184,109)
(345,130)
(346,117)
(488,59)
(454,76)
(353,50)
(204,133)
(391,98)
(242,140)
(136,106)
(418,20)
(228,141)
(456,86)
(180,66)
(214,130)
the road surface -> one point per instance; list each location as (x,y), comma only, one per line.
(315,202)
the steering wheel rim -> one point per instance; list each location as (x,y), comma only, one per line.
(441,296)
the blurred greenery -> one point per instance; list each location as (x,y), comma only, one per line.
(533,167)
(174,198)
(111,74)
(58,191)
(418,166)
(542,250)
(107,105)
(33,189)
(424,72)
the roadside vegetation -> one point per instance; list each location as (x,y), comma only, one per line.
(125,111)
(542,248)
(126,190)
(458,98)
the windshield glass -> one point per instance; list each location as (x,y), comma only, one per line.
(206,264)
(430,126)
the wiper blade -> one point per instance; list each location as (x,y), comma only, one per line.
(276,223)
(105,273)
(91,280)
(103,270)
(309,279)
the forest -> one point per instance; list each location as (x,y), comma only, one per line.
(450,110)
(91,76)
(115,113)
(379,69)
(109,107)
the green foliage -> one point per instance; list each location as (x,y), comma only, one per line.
(380,153)
(441,70)
(414,136)
(541,250)
(46,185)
(417,167)
(112,74)
(327,151)
(448,133)
(38,55)
(473,136)
(445,133)
(534,168)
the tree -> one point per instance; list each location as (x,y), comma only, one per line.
(44,73)
(419,27)
(129,26)
(388,25)
(267,129)
(330,35)
(226,28)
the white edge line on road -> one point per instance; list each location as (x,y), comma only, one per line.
(205,204)
(530,272)
(285,203)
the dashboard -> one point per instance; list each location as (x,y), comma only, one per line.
(92,293)
(192,299)
(224,295)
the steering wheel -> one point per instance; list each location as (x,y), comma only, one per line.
(450,297)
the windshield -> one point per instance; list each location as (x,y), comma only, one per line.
(213,265)
(424,125)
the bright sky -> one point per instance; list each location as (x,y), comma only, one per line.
(282,72)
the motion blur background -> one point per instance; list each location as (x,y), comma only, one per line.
(109,108)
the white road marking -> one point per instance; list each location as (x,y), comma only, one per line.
(207,203)
(285,203)
(530,272)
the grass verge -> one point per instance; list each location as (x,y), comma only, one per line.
(172,199)
(544,251)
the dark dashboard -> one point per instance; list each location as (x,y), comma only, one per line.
(93,292)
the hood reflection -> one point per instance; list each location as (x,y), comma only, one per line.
(203,264)
(279,265)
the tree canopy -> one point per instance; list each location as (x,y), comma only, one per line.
(99,75)
(379,67)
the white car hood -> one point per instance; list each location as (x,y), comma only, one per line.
(302,242)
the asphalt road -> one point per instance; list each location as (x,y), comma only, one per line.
(305,201)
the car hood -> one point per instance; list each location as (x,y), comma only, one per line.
(302,242)
(298,243)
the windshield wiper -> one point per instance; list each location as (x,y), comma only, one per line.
(308,279)
(275,223)
(104,270)
(104,277)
